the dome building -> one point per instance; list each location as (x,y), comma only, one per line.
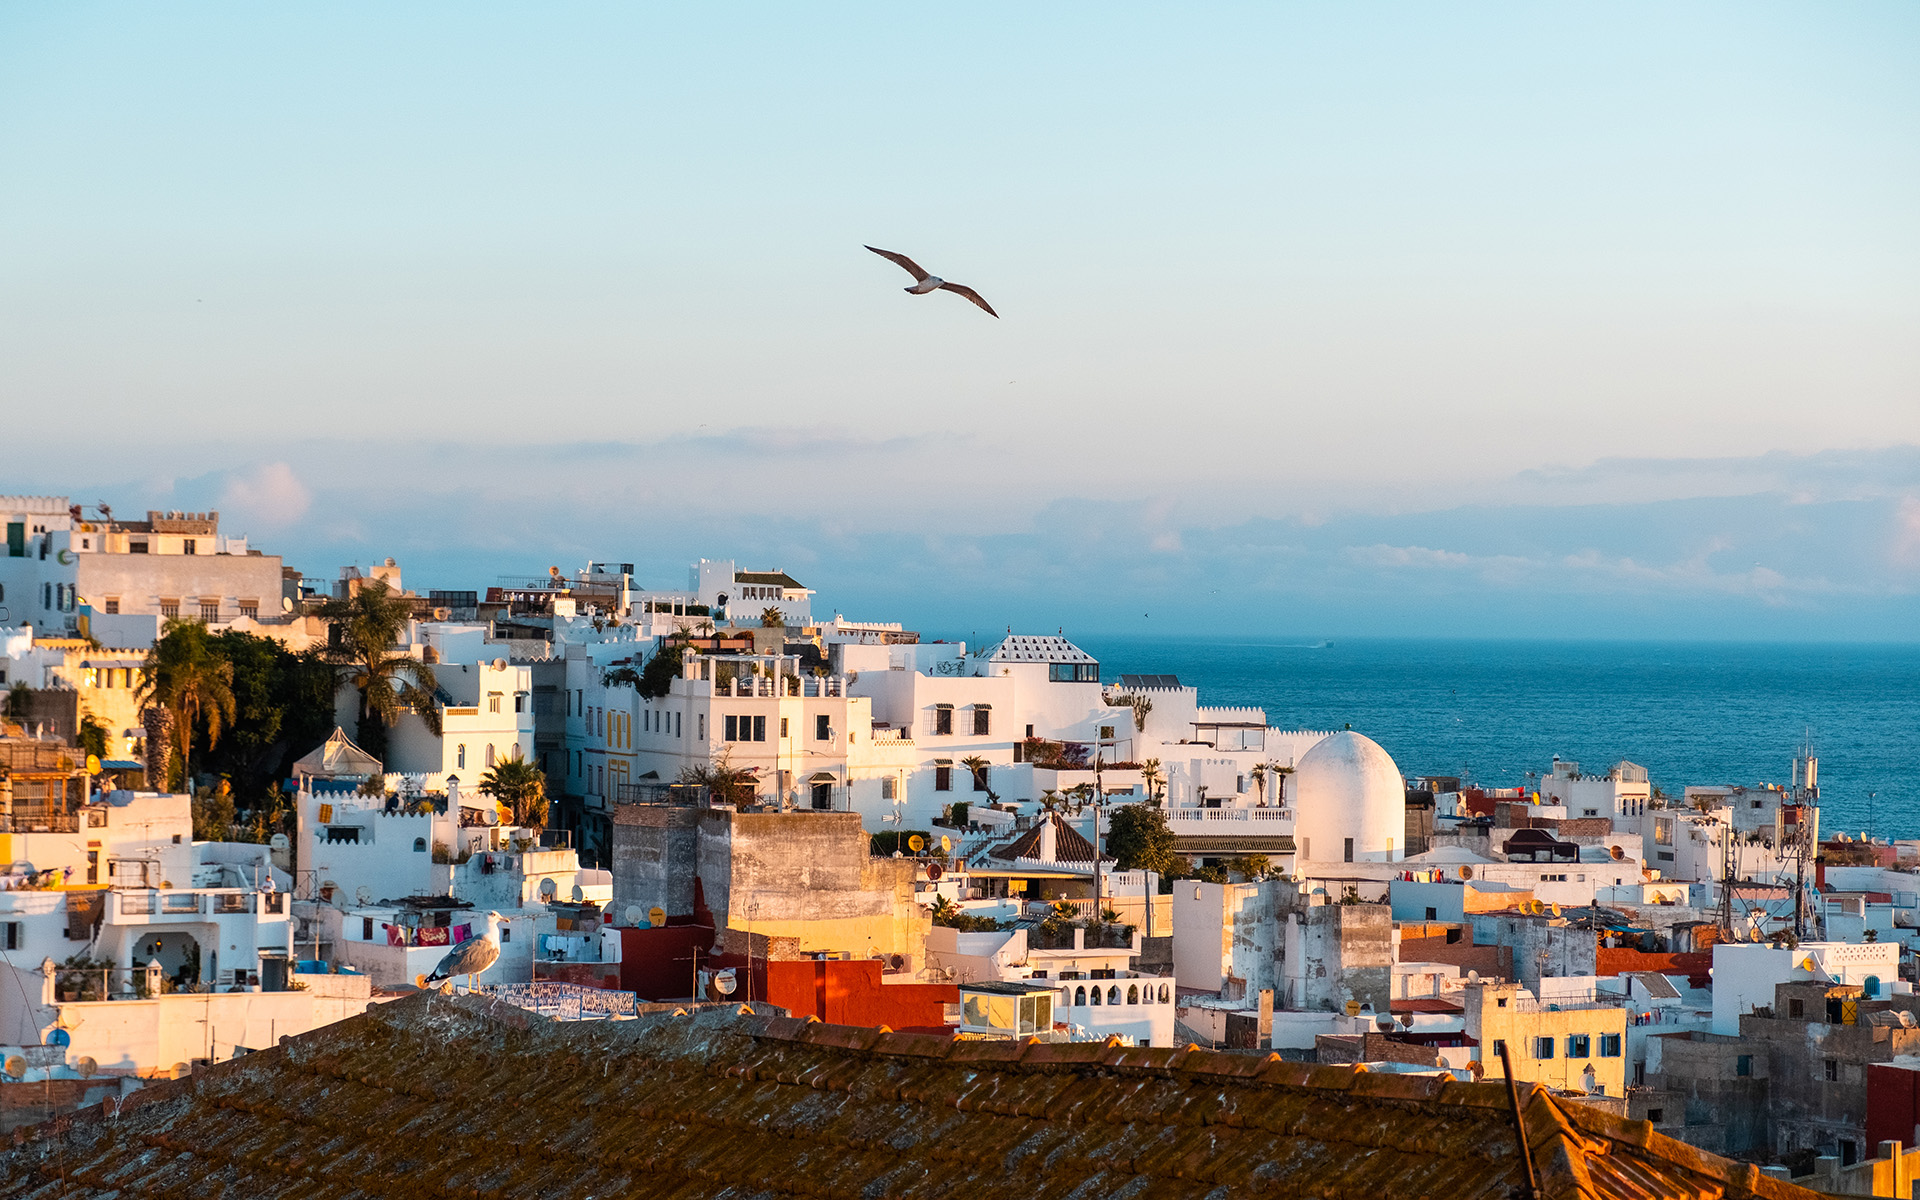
(1350,802)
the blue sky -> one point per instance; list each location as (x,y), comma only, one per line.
(1552,320)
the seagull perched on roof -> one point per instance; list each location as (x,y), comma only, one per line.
(924,283)
(469,958)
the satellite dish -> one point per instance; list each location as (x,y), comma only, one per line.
(1466,872)
(286,604)
(632,914)
(946,844)
(363,894)
(278,842)
(916,843)
(499,664)
(724,982)
(1473,977)
(1556,908)
(15,1066)
(934,872)
(656,916)
(897,961)
(579,893)
(1617,853)
(548,889)
(87,1067)
(59,1037)
(1479,1070)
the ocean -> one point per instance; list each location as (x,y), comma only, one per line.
(1493,711)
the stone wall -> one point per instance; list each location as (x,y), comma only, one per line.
(654,858)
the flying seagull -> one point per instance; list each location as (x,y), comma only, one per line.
(469,958)
(924,283)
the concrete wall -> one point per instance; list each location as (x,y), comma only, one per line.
(1336,953)
(153,1035)
(654,858)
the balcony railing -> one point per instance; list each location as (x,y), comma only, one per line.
(1193,815)
(33,822)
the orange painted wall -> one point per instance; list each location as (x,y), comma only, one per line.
(849,992)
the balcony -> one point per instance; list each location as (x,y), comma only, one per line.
(1206,817)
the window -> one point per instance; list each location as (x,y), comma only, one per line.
(209,611)
(250,609)
(366,929)
(823,727)
(1870,987)
(1543,1048)
(1094,997)
(980,780)
(1656,1115)
(169,608)
(93,866)
(460,757)
(519,702)
(1743,1066)
(943,778)
(136,547)
(489,754)
(113,606)
(1433,914)
(10,934)
(743,729)
(493,702)
(1609,1045)
(700,734)
(1106,733)
(982,720)
(676,724)
(1796,1008)
(784,735)
(419,845)
(943,719)
(730,729)
(189,546)
(1579,1045)
(1073,672)
(1833,1070)
(1113,994)
(1349,857)
(889,788)
(1499,1047)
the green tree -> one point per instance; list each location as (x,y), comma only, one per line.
(772,618)
(184,676)
(214,816)
(726,783)
(521,787)
(364,637)
(1139,840)
(1154,780)
(93,735)
(656,678)
(1252,866)
(283,705)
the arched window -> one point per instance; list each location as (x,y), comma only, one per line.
(1113,994)
(1080,997)
(1164,997)
(1870,987)
(419,845)
(1133,993)
(1095,1001)
(460,756)
(489,753)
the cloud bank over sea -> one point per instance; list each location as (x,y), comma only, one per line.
(919,529)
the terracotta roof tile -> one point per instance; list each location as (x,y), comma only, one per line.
(436,1097)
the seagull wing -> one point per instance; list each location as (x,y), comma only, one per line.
(970,294)
(913,268)
(470,957)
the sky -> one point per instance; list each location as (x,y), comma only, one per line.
(1395,319)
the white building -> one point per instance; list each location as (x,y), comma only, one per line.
(1097,993)
(1744,975)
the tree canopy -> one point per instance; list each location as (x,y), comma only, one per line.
(520,787)
(364,633)
(1139,840)
(183,675)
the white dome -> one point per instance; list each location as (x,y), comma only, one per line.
(1347,787)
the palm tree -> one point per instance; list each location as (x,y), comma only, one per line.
(519,786)
(184,676)
(772,618)
(1152,778)
(1260,782)
(977,767)
(365,633)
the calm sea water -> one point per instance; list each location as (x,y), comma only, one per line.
(1691,713)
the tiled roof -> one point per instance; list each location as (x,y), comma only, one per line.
(1068,844)
(773,578)
(1046,648)
(437,1096)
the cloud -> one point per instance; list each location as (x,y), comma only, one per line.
(270,495)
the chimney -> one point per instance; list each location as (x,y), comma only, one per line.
(1048,838)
